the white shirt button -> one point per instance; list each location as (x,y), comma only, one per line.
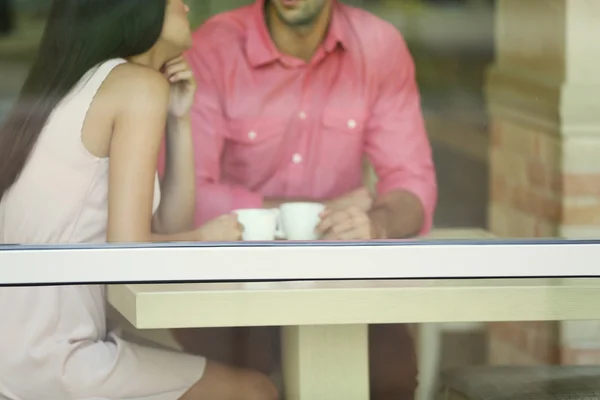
(252,135)
(297,158)
(302,115)
(351,124)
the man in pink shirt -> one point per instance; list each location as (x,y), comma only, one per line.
(293,94)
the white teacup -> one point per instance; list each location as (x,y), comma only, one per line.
(259,224)
(298,221)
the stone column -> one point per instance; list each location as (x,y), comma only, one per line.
(543,94)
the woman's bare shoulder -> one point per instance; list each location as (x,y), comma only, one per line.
(130,82)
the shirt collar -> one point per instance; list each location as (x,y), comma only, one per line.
(260,48)
(337,34)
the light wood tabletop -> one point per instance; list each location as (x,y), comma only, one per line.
(325,343)
(355,302)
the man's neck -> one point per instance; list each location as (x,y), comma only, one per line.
(298,41)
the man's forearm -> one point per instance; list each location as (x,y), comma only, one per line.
(397,215)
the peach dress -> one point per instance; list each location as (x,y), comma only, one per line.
(54,341)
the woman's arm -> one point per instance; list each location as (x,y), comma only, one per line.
(176,211)
(141,98)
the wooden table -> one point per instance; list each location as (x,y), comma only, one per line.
(325,323)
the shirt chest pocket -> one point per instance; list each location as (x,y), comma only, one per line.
(342,137)
(253,144)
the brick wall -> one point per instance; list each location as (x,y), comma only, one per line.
(525,181)
(543,185)
(524,202)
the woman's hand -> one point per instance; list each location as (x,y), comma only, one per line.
(225,228)
(183,86)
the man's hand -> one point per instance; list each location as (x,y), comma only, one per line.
(360,198)
(350,223)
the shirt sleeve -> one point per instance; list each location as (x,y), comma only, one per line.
(396,140)
(208,134)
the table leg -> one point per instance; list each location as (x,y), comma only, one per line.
(326,362)
(428,359)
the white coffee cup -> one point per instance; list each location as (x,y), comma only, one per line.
(298,221)
(259,224)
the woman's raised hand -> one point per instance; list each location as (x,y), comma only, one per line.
(183,86)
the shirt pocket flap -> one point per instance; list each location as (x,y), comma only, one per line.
(344,121)
(255,130)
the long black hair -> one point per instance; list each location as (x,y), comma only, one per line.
(79,35)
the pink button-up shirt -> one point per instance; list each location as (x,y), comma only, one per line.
(267,125)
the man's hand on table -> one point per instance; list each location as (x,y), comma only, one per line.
(346,217)
(350,223)
(360,198)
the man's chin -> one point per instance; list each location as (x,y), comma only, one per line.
(290,4)
(293,19)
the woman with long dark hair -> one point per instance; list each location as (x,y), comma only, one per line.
(78,157)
